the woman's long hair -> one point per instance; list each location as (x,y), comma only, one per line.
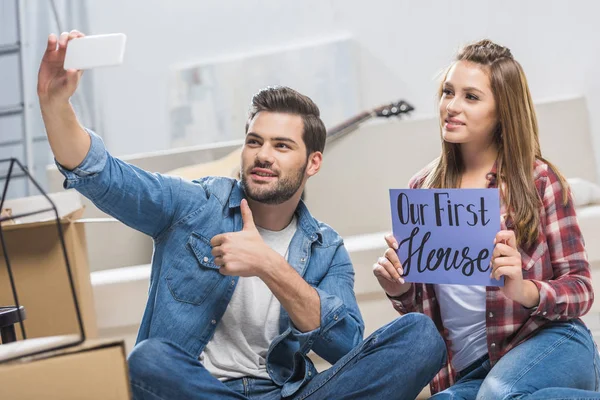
(516,138)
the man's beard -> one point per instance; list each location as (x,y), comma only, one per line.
(282,192)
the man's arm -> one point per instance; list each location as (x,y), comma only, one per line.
(244,253)
(325,318)
(298,298)
(68,140)
(145,201)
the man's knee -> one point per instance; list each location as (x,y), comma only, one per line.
(147,359)
(420,327)
(417,322)
(493,388)
(427,336)
(418,332)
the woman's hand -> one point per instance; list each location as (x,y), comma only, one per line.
(388,270)
(507,263)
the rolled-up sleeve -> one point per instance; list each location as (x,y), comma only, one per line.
(406,302)
(140,199)
(569,294)
(341,327)
(92,164)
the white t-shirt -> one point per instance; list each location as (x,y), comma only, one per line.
(463,315)
(250,322)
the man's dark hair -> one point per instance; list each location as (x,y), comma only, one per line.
(285,100)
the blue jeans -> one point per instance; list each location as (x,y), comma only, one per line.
(560,362)
(396,361)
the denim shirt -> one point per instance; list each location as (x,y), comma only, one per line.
(187,294)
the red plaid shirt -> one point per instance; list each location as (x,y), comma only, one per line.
(557,264)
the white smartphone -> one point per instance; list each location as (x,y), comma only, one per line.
(95,51)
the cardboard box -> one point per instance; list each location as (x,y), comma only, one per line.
(95,369)
(5,213)
(39,269)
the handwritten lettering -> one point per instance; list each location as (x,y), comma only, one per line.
(447,258)
(451,212)
(410,213)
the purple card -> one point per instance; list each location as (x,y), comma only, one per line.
(446,235)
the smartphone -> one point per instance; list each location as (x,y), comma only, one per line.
(95,51)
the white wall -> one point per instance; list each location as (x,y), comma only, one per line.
(37,21)
(402,45)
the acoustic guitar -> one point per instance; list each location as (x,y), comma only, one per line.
(230,164)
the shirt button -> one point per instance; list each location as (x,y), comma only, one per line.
(335,317)
(491,315)
(544,313)
(309,373)
(493,345)
(232,282)
(214,322)
(205,259)
(302,259)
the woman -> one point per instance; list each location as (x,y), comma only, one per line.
(525,338)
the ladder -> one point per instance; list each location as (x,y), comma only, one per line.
(21,106)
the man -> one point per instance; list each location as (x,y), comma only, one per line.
(245,282)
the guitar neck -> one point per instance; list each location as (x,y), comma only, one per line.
(230,164)
(348,126)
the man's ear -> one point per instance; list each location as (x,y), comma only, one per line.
(314,163)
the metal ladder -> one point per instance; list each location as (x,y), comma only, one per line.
(21,106)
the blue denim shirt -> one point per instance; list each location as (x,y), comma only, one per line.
(187,294)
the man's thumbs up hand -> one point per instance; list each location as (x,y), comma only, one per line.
(243,253)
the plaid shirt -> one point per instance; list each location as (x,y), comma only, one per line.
(556,263)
